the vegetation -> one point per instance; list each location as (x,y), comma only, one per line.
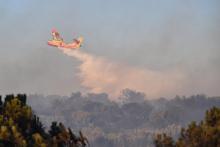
(19,126)
(204,134)
(130,123)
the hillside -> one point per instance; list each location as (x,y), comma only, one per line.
(131,122)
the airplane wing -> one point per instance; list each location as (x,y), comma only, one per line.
(57,41)
(56,36)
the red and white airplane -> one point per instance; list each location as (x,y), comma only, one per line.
(57,41)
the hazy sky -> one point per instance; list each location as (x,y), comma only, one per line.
(162,36)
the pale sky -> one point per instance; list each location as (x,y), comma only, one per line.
(159,35)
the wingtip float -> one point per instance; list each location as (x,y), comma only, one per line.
(57,41)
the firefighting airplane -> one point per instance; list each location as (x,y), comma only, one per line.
(57,41)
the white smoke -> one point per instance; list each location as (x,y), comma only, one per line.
(100,75)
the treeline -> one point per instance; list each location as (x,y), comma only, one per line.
(131,122)
(81,111)
(20,127)
(203,134)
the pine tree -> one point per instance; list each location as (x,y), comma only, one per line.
(204,134)
(19,126)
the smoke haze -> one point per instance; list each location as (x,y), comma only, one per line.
(100,75)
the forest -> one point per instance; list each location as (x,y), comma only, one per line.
(132,121)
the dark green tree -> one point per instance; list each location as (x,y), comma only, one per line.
(204,134)
(19,126)
(164,141)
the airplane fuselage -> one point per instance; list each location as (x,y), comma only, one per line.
(58,43)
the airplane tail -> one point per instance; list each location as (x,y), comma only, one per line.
(80,39)
(76,44)
(79,42)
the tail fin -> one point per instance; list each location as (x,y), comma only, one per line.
(77,43)
(80,39)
